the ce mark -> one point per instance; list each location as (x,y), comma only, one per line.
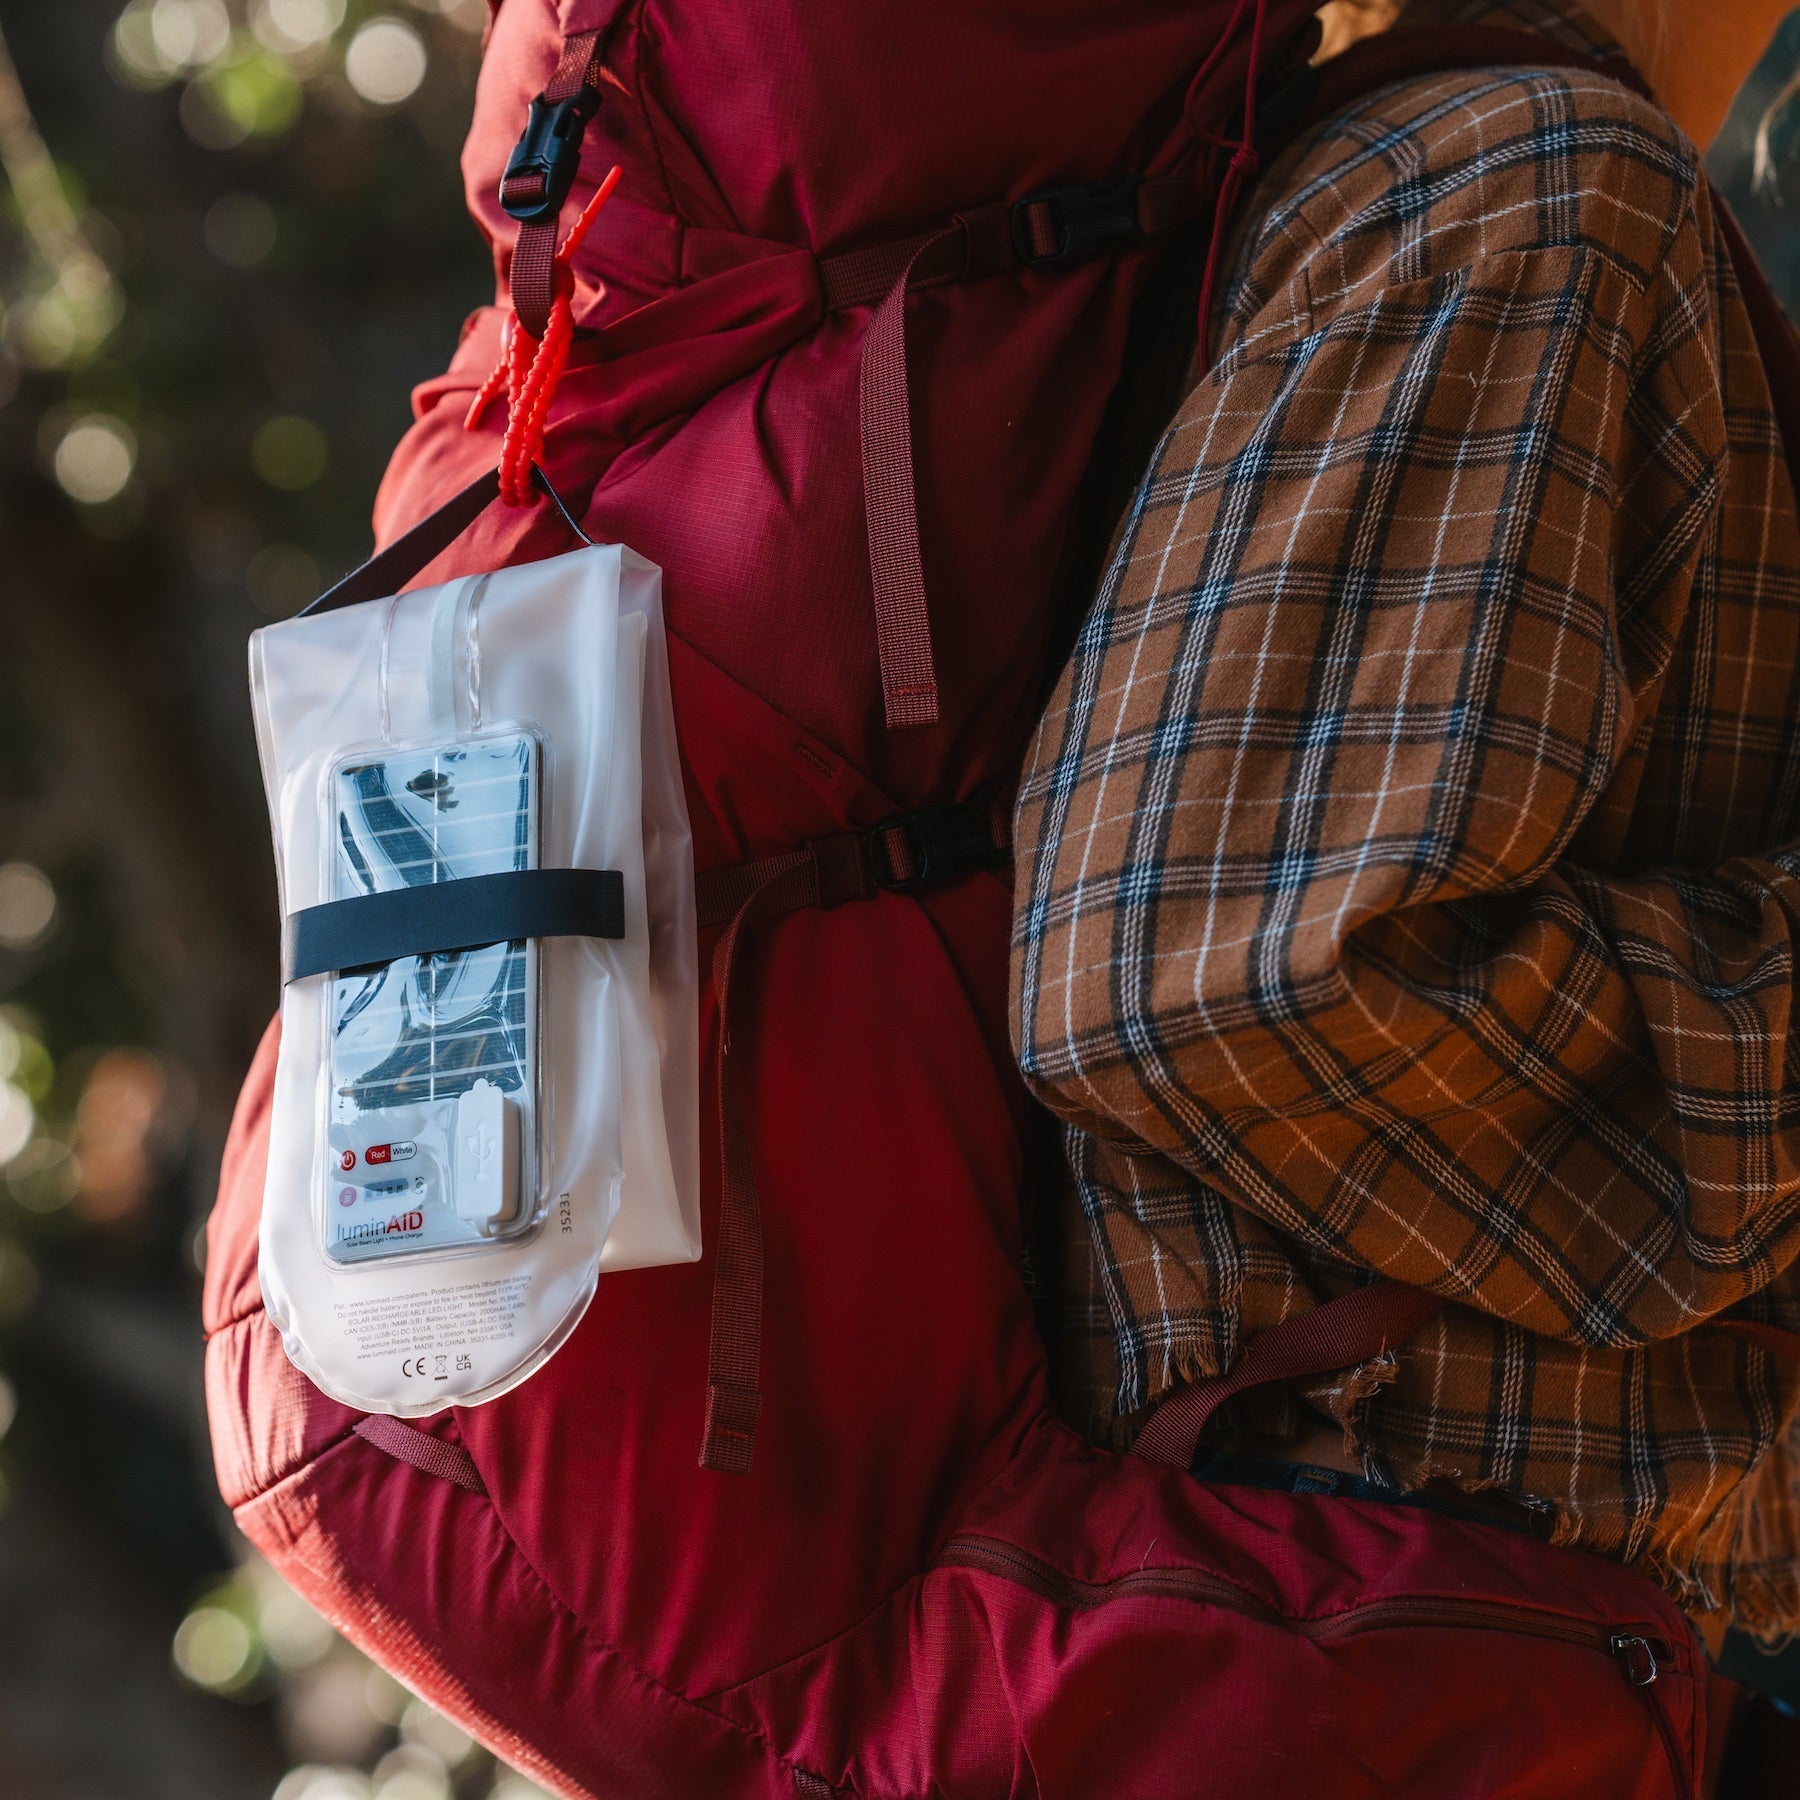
(414,1365)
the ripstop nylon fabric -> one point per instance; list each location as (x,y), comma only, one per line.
(924,1584)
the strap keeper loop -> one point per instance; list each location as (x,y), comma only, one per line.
(730,1440)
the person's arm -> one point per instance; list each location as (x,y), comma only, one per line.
(1322,839)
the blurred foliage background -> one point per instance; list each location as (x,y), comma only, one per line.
(231,239)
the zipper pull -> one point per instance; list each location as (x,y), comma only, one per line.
(1637,1655)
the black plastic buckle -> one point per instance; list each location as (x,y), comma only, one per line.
(947,842)
(1088,222)
(542,167)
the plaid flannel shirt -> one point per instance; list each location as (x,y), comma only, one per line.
(1409,859)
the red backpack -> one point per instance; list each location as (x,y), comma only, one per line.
(868,279)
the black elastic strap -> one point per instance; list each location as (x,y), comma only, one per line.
(452,915)
(389,570)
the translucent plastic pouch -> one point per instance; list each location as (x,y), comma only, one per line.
(487,1085)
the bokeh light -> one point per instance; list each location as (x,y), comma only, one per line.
(249,95)
(385,61)
(131,51)
(511,1785)
(289,452)
(295,25)
(409,1772)
(214,1649)
(44,1177)
(239,229)
(324,1711)
(426,1727)
(95,458)
(17,1117)
(293,1634)
(27,909)
(282,579)
(313,1781)
(19,1282)
(385,1698)
(28,1065)
(470,15)
(186,34)
(113,1121)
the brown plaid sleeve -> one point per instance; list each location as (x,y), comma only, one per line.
(1407,860)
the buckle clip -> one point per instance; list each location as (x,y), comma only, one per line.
(542,167)
(1638,1655)
(945,842)
(1085,222)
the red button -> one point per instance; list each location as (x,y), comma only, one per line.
(378,1153)
(347,1161)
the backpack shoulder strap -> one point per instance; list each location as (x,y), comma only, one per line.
(1354,1328)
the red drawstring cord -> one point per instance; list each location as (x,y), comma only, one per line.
(530,369)
(1238,171)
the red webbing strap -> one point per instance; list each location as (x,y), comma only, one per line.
(1355,1328)
(858,277)
(733,1400)
(533,276)
(429,1455)
(902,624)
(837,870)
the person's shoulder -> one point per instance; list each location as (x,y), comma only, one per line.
(1425,179)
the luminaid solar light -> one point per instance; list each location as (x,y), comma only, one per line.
(487,1085)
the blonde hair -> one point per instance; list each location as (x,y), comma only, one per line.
(1345,21)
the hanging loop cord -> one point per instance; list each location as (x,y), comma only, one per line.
(530,368)
(534,343)
(1239,171)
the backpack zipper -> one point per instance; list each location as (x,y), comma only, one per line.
(1640,1655)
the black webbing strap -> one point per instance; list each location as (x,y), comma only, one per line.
(452,915)
(389,570)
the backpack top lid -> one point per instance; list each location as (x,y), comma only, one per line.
(717,345)
(829,128)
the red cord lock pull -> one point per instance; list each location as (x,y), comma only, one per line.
(530,369)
